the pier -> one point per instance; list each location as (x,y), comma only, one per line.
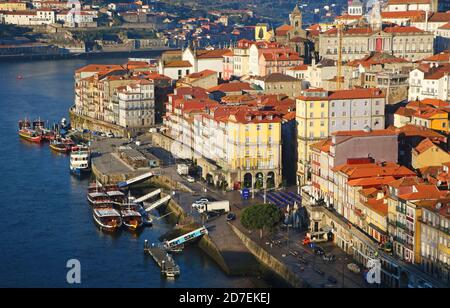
(165,261)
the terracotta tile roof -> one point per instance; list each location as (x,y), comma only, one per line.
(422,191)
(446,26)
(202,74)
(209,54)
(357,93)
(302,67)
(178,64)
(440,17)
(283,30)
(376,58)
(413,15)
(359,133)
(438,72)
(322,145)
(377,205)
(376,181)
(231,87)
(405,181)
(350,31)
(278,77)
(440,57)
(424,146)
(399,29)
(281,56)
(373,170)
(349,17)
(99,68)
(406,112)
(410,130)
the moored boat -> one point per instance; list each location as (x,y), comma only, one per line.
(27,133)
(98,198)
(59,147)
(80,161)
(107,218)
(131,219)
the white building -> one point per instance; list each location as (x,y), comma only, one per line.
(355,8)
(412,5)
(442,41)
(136,104)
(30,18)
(430,81)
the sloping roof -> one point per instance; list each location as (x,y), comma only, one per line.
(278,77)
(202,74)
(322,145)
(210,54)
(231,87)
(412,15)
(399,29)
(178,64)
(424,146)
(409,1)
(357,93)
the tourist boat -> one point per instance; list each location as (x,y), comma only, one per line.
(107,218)
(98,199)
(131,219)
(59,147)
(116,196)
(80,161)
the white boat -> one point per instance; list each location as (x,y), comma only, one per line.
(107,218)
(80,160)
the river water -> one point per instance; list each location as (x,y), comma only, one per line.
(45,219)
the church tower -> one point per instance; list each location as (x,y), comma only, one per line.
(296,20)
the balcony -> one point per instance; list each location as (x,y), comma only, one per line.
(400,209)
(400,225)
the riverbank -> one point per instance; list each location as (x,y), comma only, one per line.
(148,52)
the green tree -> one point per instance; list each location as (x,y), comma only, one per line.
(262,217)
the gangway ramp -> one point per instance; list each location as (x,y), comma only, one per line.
(151,206)
(186,237)
(136,179)
(148,196)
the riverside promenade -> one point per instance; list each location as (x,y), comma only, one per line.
(236,250)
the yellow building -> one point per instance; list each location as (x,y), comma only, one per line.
(312,123)
(13,6)
(432,118)
(262,33)
(320,113)
(404,216)
(427,154)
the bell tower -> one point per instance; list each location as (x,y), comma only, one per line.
(295,19)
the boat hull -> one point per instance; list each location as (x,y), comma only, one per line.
(64,150)
(35,139)
(80,172)
(104,227)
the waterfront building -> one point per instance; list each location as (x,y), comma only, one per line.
(405,214)
(237,143)
(435,238)
(29,17)
(320,113)
(136,103)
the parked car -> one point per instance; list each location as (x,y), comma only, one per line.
(231,216)
(190,179)
(110,135)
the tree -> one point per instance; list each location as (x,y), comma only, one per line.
(261,216)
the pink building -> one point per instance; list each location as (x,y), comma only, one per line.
(228,69)
(277,61)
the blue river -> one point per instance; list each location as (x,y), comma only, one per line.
(45,219)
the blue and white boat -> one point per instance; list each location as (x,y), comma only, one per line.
(80,161)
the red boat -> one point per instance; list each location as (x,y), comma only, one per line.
(30,135)
(25,132)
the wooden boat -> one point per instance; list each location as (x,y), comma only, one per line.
(30,135)
(107,218)
(98,199)
(59,147)
(116,196)
(131,219)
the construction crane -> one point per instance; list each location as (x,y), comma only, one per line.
(339,28)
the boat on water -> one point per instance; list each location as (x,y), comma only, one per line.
(59,147)
(80,158)
(107,218)
(98,198)
(131,219)
(116,197)
(27,133)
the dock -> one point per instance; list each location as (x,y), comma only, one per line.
(165,261)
